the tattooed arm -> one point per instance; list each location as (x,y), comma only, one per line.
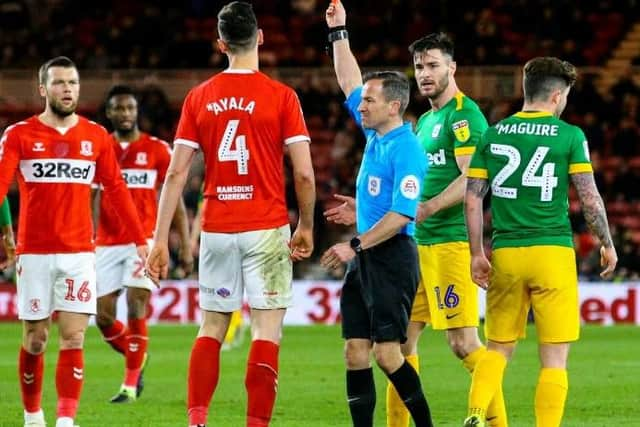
(480,266)
(596,217)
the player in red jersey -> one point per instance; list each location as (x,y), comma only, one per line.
(58,154)
(143,160)
(242,121)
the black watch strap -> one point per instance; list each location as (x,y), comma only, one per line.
(356,245)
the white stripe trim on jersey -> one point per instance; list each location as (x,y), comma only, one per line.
(239,71)
(297,138)
(188,143)
(140,178)
(68,171)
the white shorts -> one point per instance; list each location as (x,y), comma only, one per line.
(119,266)
(255,262)
(55,282)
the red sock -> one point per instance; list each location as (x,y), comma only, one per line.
(69,379)
(30,370)
(261,382)
(116,336)
(204,369)
(137,339)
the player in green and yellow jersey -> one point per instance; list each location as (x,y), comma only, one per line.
(446,297)
(527,160)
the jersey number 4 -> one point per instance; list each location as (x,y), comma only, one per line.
(530,178)
(240,154)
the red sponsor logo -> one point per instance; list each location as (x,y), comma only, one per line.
(616,310)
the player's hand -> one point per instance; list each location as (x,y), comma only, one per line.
(337,254)
(301,243)
(608,260)
(425,210)
(157,266)
(186,259)
(480,270)
(9,250)
(335,14)
(345,213)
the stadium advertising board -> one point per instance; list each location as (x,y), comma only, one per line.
(318,302)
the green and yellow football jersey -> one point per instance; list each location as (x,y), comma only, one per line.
(527,159)
(453,130)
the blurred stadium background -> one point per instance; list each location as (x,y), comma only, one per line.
(163,48)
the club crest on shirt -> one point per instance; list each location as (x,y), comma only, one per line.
(436,130)
(374,185)
(461,130)
(141,158)
(86,148)
(410,187)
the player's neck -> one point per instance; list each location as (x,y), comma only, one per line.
(389,126)
(538,106)
(446,96)
(127,136)
(54,120)
(245,61)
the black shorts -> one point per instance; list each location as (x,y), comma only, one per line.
(378,291)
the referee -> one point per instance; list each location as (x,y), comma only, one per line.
(382,275)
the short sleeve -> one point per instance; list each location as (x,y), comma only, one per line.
(352,103)
(294,127)
(187,132)
(579,159)
(478,165)
(409,167)
(467,126)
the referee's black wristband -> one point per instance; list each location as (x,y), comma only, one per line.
(337,33)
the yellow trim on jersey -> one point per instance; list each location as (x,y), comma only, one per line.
(532,114)
(580,168)
(459,98)
(477,173)
(464,151)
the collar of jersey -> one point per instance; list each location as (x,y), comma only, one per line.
(532,114)
(239,71)
(394,132)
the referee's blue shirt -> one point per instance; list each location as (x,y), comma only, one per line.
(391,173)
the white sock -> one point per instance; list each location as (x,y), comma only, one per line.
(64,422)
(34,416)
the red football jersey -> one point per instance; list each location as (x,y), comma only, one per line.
(56,170)
(241,120)
(144,164)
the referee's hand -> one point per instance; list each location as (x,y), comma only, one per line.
(336,255)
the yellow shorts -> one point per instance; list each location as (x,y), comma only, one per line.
(542,277)
(446,296)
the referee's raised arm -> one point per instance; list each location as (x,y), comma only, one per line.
(344,63)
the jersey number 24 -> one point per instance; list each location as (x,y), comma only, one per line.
(530,178)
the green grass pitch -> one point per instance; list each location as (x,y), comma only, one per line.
(604,376)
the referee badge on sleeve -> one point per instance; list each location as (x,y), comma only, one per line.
(410,187)
(461,130)
(374,185)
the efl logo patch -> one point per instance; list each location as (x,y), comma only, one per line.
(461,130)
(410,187)
(374,185)
(436,130)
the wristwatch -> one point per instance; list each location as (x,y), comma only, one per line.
(356,245)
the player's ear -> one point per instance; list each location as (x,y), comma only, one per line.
(556,97)
(42,90)
(221,46)
(260,37)
(452,67)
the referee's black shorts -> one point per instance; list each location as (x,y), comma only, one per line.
(378,291)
